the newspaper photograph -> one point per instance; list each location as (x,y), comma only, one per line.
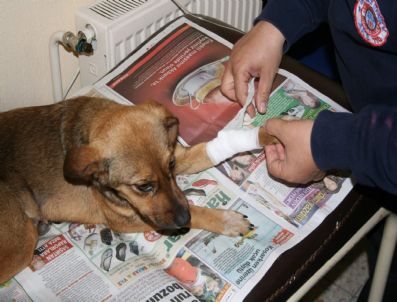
(183,72)
(181,67)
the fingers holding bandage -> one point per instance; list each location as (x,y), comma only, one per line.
(291,160)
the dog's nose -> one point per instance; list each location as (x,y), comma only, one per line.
(182,218)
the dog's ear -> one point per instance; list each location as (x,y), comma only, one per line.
(82,163)
(171,125)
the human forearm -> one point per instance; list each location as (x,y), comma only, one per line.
(364,143)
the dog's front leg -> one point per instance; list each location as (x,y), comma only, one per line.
(225,222)
(228,143)
(191,160)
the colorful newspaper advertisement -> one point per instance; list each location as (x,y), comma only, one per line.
(181,68)
(183,72)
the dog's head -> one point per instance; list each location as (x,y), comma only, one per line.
(130,159)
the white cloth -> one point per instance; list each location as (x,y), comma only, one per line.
(232,141)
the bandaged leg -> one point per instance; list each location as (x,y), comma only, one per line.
(230,142)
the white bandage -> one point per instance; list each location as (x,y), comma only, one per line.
(232,141)
(239,120)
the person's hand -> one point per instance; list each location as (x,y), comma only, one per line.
(257,54)
(292,160)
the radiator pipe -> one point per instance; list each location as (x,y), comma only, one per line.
(83,43)
(78,44)
(55,63)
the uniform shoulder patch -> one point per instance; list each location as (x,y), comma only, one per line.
(370,23)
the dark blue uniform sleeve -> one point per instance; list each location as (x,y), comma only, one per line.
(295,18)
(364,143)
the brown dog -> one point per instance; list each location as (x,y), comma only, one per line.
(90,160)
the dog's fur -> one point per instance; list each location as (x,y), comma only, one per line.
(90,160)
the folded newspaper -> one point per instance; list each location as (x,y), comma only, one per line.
(181,67)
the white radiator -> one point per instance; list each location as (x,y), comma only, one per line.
(121,25)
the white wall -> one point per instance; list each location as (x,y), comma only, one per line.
(25,29)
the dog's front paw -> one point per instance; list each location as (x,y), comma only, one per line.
(236,224)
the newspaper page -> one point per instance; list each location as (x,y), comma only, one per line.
(181,68)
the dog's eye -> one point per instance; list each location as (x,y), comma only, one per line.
(145,187)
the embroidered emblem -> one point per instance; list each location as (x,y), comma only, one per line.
(370,23)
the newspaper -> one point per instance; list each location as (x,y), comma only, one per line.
(181,68)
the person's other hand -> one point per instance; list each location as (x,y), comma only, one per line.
(292,160)
(257,54)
